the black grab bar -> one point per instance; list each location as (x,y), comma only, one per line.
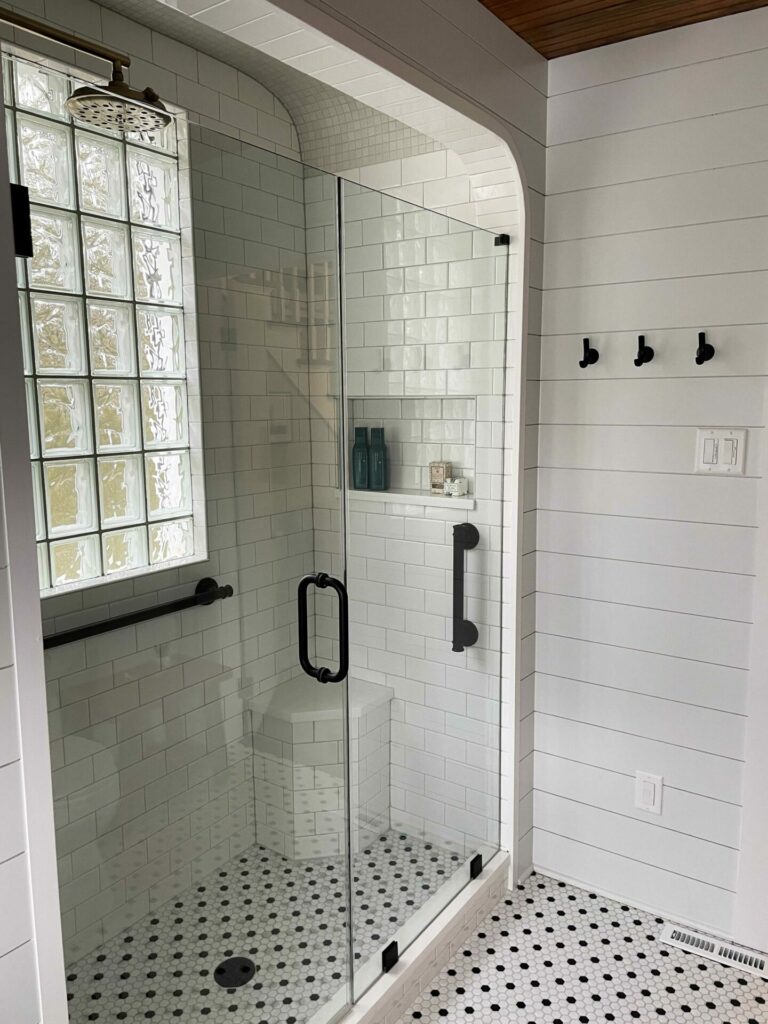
(324,675)
(206,592)
(465,537)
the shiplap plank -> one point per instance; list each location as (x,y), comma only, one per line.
(709,401)
(645,629)
(727,247)
(12,834)
(715,548)
(16,919)
(691,682)
(697,592)
(641,449)
(691,770)
(18,983)
(686,856)
(646,885)
(713,732)
(694,815)
(693,499)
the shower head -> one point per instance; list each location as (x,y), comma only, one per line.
(118,106)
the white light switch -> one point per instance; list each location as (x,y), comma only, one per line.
(720,451)
(648,790)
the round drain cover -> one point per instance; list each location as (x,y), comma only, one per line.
(236,971)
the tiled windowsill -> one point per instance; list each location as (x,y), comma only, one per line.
(413,498)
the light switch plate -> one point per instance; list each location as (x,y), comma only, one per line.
(720,451)
(648,791)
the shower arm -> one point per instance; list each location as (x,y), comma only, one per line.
(116,59)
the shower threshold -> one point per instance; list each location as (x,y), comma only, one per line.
(288,917)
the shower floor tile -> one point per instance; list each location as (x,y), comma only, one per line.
(288,917)
(554,954)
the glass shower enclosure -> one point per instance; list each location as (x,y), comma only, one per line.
(261,803)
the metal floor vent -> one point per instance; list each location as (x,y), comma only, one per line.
(714,949)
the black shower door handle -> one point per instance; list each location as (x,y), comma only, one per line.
(321,580)
(465,537)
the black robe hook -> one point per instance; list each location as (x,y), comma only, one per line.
(705,351)
(644,352)
(591,355)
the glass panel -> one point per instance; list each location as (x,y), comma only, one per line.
(170,540)
(26,337)
(59,337)
(164,412)
(154,189)
(37,490)
(111,338)
(45,161)
(157,267)
(42,566)
(169,484)
(70,497)
(116,408)
(55,264)
(105,254)
(125,549)
(100,175)
(40,89)
(121,490)
(34,442)
(75,559)
(161,342)
(65,425)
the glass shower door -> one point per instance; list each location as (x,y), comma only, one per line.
(424,327)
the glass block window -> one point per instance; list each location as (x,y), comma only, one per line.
(109,357)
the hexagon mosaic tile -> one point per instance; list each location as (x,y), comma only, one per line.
(555,954)
(288,917)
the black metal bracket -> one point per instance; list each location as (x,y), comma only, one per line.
(389,957)
(502,240)
(22,221)
(476,866)
(465,537)
(644,352)
(206,592)
(705,351)
(321,580)
(591,355)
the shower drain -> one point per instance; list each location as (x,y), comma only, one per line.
(236,971)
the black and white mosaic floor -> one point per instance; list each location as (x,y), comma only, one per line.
(288,917)
(555,954)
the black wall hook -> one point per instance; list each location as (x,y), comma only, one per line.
(644,352)
(591,355)
(705,351)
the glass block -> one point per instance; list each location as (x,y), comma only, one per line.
(70,497)
(41,89)
(75,559)
(7,78)
(10,140)
(58,334)
(124,549)
(110,334)
(42,566)
(100,175)
(171,540)
(45,161)
(116,409)
(161,342)
(169,484)
(21,271)
(26,337)
(34,441)
(55,265)
(153,189)
(164,414)
(65,423)
(37,490)
(121,490)
(105,254)
(157,267)
(164,139)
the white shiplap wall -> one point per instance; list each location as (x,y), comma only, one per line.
(655,224)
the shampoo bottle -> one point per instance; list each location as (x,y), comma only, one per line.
(360,461)
(378,474)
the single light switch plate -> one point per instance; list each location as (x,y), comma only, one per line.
(720,451)
(648,790)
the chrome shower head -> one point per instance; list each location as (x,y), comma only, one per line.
(118,106)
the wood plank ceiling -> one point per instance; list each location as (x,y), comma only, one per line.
(558,27)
